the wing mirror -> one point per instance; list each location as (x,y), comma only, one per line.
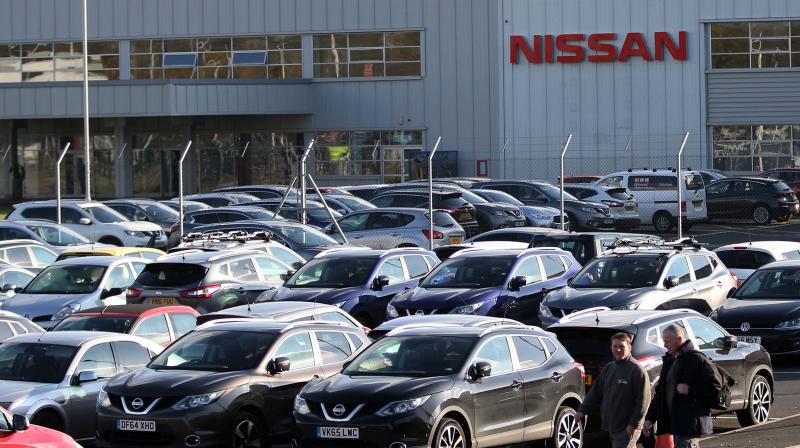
(86,376)
(19,423)
(11,287)
(730,342)
(111,293)
(480,370)
(288,274)
(671,282)
(278,365)
(297,265)
(517,283)
(541,198)
(379,282)
(85,221)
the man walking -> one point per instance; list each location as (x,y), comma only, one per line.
(688,384)
(622,392)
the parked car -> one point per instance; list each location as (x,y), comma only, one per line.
(285,311)
(761,200)
(536,216)
(54,378)
(188,206)
(29,254)
(656,194)
(459,208)
(72,285)
(359,281)
(623,207)
(210,216)
(240,240)
(146,210)
(582,215)
(388,228)
(710,175)
(207,281)
(587,337)
(742,259)
(156,323)
(644,278)
(445,252)
(343,203)
(316,213)
(587,245)
(485,388)
(259,191)
(16,431)
(790,176)
(363,191)
(220,199)
(148,253)
(224,384)
(766,309)
(519,235)
(55,236)
(94,220)
(498,283)
(439,320)
(12,280)
(12,324)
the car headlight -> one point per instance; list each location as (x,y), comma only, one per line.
(137,234)
(544,310)
(792,324)
(300,406)
(401,407)
(195,401)
(102,399)
(66,311)
(630,306)
(467,309)
(391,311)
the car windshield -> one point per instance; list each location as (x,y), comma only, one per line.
(215,351)
(473,198)
(159,212)
(620,272)
(104,214)
(744,259)
(321,214)
(305,236)
(58,236)
(113,324)
(70,279)
(339,272)
(355,203)
(772,284)
(554,194)
(35,362)
(471,272)
(501,196)
(411,356)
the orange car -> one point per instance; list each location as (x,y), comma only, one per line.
(15,431)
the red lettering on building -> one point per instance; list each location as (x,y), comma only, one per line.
(570,52)
(602,47)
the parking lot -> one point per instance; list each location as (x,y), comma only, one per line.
(719,234)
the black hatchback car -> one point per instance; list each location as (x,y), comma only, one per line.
(447,387)
(760,199)
(226,384)
(587,337)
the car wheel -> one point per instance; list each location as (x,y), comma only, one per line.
(759,403)
(450,435)
(761,214)
(662,221)
(249,432)
(110,240)
(48,419)
(568,431)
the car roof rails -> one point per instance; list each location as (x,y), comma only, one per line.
(492,329)
(576,314)
(685,243)
(304,323)
(221,236)
(400,249)
(406,327)
(339,249)
(644,241)
(662,314)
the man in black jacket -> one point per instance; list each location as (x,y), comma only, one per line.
(688,384)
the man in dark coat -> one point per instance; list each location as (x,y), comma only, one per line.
(688,384)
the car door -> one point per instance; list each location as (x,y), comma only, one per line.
(524,303)
(679,267)
(83,397)
(249,285)
(531,356)
(334,349)
(716,198)
(71,218)
(498,399)
(394,269)
(710,339)
(738,200)
(354,227)
(705,284)
(153,328)
(120,277)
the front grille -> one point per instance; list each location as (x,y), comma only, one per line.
(416,311)
(561,312)
(139,439)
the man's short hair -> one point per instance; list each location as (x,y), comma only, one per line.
(624,337)
(676,330)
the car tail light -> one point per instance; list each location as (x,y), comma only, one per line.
(203,292)
(580,368)
(133,293)
(437,235)
(174,228)
(683,206)
(648,362)
(613,203)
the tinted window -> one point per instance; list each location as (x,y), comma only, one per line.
(171,274)
(333,346)
(529,268)
(496,353)
(744,259)
(708,336)
(131,355)
(383,201)
(354,223)
(702,267)
(5,331)
(18,256)
(529,351)
(98,359)
(205,218)
(35,362)
(393,269)
(411,356)
(48,213)
(553,266)
(154,328)
(620,272)
(679,268)
(13,234)
(297,348)
(719,187)
(182,323)
(472,272)
(333,273)
(215,351)
(775,284)
(417,267)
(441,219)
(380,220)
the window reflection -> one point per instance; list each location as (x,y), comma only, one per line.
(359,153)
(367,55)
(756,148)
(59,61)
(758,45)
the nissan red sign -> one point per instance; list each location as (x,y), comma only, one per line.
(604,47)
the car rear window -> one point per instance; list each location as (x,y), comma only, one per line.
(744,259)
(452,202)
(694,182)
(443,219)
(589,346)
(619,193)
(171,274)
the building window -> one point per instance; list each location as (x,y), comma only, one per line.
(365,153)
(755,45)
(58,61)
(367,55)
(258,57)
(756,148)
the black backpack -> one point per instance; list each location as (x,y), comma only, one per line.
(721,400)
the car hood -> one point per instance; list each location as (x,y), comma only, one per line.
(343,388)
(496,206)
(761,313)
(438,298)
(14,390)
(578,299)
(41,304)
(320,295)
(532,209)
(140,226)
(147,382)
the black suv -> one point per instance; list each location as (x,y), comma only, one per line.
(587,337)
(447,387)
(228,383)
(207,281)
(460,209)
(759,199)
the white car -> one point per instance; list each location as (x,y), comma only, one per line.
(96,221)
(743,259)
(621,203)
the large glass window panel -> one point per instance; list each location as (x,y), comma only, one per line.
(38,76)
(180,45)
(249,58)
(37,50)
(70,49)
(330,41)
(404,69)
(741,45)
(180,59)
(217,160)
(730,29)
(770,45)
(723,61)
(103,165)
(402,54)
(214,44)
(285,72)
(10,51)
(366,40)
(179,73)
(769,28)
(286,57)
(215,59)
(10,64)
(146,46)
(371,55)
(330,71)
(249,43)
(146,60)
(330,56)
(103,47)
(37,64)
(146,164)
(369,70)
(214,73)
(774,60)
(251,72)
(155,73)
(732,133)
(403,39)
(285,42)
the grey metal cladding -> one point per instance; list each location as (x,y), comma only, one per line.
(753,97)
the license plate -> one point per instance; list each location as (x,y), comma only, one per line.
(162,301)
(337,433)
(465,216)
(456,240)
(520,223)
(608,221)
(630,208)
(750,339)
(697,204)
(136,425)
(589,380)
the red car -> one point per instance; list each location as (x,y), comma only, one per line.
(578,179)
(160,324)
(15,431)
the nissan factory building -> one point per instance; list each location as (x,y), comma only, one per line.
(376,82)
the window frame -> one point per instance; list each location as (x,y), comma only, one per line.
(750,41)
(385,62)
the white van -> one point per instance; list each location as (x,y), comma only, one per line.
(655,192)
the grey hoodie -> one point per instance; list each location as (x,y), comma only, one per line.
(622,392)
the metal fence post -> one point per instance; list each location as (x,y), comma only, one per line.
(563,152)
(302,179)
(430,192)
(680,180)
(58,185)
(180,187)
(503,150)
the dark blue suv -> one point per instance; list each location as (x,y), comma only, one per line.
(502,283)
(359,281)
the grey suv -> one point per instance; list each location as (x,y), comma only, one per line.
(388,228)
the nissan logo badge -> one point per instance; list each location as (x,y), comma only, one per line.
(419,313)
(137,403)
(338,410)
(745,327)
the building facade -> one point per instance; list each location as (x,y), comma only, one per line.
(376,82)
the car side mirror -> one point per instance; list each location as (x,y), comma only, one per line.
(480,370)
(19,423)
(541,198)
(517,283)
(296,265)
(671,282)
(110,293)
(731,342)
(278,365)
(86,376)
(379,282)
(731,293)
(11,287)
(288,274)
(85,221)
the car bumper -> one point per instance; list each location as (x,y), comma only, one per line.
(594,222)
(413,430)
(627,223)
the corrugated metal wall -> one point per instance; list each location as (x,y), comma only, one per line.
(754,98)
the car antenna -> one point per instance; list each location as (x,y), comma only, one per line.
(596,319)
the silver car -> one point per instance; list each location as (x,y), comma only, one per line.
(54,378)
(75,284)
(537,216)
(622,204)
(388,228)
